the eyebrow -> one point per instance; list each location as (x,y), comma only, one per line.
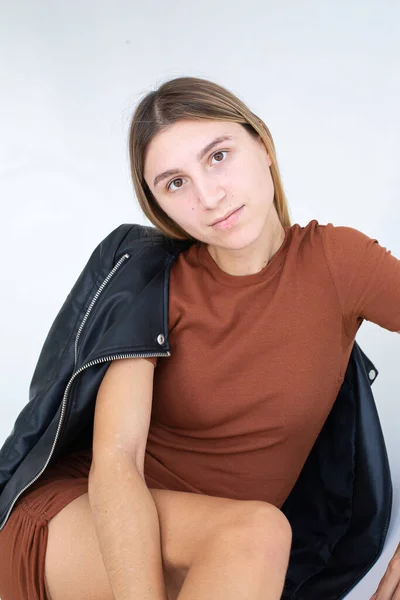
(200,155)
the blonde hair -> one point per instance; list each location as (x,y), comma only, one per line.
(196,99)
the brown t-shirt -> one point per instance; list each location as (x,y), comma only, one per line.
(257,360)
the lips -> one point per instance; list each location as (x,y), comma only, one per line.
(226,216)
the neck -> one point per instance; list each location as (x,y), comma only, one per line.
(249,260)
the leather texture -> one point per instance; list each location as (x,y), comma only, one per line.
(341,504)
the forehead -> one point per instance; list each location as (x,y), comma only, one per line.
(184,139)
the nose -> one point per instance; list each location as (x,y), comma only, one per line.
(209,192)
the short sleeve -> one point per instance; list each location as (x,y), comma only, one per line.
(366,277)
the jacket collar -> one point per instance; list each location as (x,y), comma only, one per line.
(128,314)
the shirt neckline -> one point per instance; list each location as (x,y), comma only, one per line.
(276,262)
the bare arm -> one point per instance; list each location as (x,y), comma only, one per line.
(124,512)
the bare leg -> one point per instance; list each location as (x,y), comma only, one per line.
(230,569)
(189,523)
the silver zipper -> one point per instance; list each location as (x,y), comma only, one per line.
(63,407)
(94,299)
(98,361)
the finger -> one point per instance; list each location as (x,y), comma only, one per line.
(388,585)
(397,593)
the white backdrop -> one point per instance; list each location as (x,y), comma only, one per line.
(324,76)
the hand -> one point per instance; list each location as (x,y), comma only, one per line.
(389,586)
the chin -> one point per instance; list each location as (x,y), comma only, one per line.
(237,240)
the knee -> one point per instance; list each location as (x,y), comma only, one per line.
(260,529)
(271,523)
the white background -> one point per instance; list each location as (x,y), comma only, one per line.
(324,76)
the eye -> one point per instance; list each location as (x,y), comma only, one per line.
(173,182)
(181,178)
(220,152)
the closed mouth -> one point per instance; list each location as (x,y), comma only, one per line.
(226,216)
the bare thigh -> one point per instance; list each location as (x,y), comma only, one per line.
(74,566)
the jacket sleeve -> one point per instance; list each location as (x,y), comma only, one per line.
(56,361)
(366,277)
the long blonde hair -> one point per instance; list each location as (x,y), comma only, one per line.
(196,99)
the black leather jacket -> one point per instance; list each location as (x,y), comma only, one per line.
(340,506)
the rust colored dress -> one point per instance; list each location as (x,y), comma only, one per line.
(256,364)
(23,540)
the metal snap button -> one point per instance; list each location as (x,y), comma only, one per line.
(372,374)
(160,339)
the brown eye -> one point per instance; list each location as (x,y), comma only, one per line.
(219,152)
(173,181)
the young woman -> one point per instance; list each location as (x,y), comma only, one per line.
(177,490)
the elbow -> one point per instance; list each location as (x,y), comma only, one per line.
(113,466)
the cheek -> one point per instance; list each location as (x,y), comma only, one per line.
(184,214)
(190,214)
(243,177)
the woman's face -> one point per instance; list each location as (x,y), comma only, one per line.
(206,183)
